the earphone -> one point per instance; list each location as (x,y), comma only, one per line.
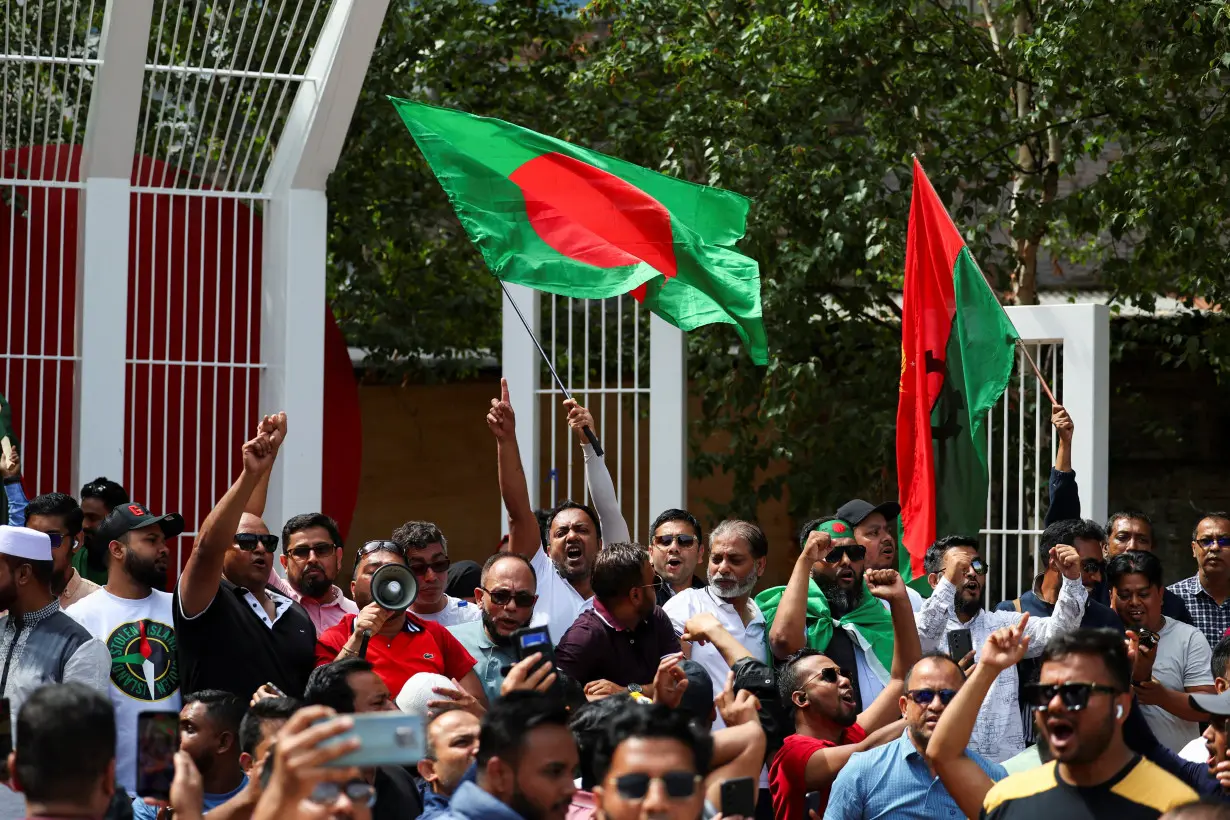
(1119,711)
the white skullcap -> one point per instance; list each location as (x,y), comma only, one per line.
(23,542)
(413,697)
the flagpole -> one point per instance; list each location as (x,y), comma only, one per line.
(589,434)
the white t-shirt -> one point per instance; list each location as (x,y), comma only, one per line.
(140,635)
(557,599)
(456,611)
(1183,659)
(1196,751)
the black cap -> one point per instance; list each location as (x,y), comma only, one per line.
(857,510)
(697,701)
(128,517)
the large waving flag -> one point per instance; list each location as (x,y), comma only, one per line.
(957,348)
(563,219)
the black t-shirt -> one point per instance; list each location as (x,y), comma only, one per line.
(229,647)
(1140,791)
(397,795)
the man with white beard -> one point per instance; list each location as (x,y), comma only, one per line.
(737,555)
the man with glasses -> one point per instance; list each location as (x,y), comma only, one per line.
(59,516)
(399,645)
(427,552)
(312,556)
(828,724)
(235,632)
(676,548)
(618,645)
(895,780)
(957,575)
(1207,593)
(505,599)
(1081,702)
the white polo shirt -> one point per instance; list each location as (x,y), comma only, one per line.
(753,636)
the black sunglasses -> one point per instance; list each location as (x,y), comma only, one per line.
(829,674)
(439,566)
(379,546)
(357,791)
(857,552)
(57,539)
(501,597)
(1074,696)
(304,552)
(247,541)
(924,697)
(1092,565)
(685,541)
(1222,541)
(635,786)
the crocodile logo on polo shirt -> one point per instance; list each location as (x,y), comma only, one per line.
(428,656)
(143,664)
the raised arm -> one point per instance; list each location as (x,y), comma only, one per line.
(203,571)
(1069,606)
(824,764)
(598,477)
(1065,501)
(789,630)
(962,777)
(933,617)
(887,585)
(524,534)
(260,494)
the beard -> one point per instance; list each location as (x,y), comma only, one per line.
(59,580)
(314,585)
(736,591)
(841,601)
(527,810)
(144,571)
(969,607)
(1091,746)
(493,633)
(8,595)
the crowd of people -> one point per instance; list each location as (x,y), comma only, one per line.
(577,673)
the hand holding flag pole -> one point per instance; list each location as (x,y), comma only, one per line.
(589,434)
(1041,379)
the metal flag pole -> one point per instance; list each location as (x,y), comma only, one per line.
(589,434)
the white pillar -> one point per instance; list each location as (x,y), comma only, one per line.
(521,364)
(293,345)
(668,418)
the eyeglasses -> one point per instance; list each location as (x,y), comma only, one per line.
(379,546)
(656,583)
(1093,565)
(979,566)
(1074,696)
(247,541)
(924,697)
(829,674)
(685,541)
(857,552)
(501,597)
(357,791)
(305,552)
(679,785)
(57,539)
(1222,541)
(438,566)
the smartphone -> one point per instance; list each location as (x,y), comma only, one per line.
(739,797)
(386,739)
(960,644)
(6,729)
(530,639)
(157,742)
(272,687)
(813,803)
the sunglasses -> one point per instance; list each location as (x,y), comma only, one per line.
(857,552)
(684,541)
(305,552)
(57,539)
(829,674)
(379,546)
(924,697)
(247,541)
(1074,696)
(1222,541)
(439,566)
(501,597)
(678,785)
(359,792)
(1092,565)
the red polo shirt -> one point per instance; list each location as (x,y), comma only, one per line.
(421,646)
(788,772)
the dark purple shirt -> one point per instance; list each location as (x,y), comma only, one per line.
(592,649)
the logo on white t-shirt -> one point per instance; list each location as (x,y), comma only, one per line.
(143,664)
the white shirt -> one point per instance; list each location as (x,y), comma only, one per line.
(1183,659)
(753,636)
(1196,751)
(997,733)
(149,686)
(916,600)
(557,599)
(456,611)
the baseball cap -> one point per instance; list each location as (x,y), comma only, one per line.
(697,701)
(128,517)
(857,510)
(1212,704)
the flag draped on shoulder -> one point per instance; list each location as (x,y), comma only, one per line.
(563,219)
(957,350)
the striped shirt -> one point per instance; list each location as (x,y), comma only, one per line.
(1210,617)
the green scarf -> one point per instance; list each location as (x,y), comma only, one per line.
(869,624)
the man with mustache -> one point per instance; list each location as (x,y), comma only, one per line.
(873,530)
(1207,593)
(957,572)
(312,552)
(1174,659)
(98,499)
(427,553)
(134,618)
(236,633)
(59,516)
(676,547)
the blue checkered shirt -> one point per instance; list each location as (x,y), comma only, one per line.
(894,781)
(1208,616)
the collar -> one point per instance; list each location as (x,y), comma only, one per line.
(74,582)
(412,625)
(906,747)
(722,603)
(471,801)
(607,618)
(31,619)
(333,598)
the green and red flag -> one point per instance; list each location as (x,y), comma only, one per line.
(957,351)
(563,219)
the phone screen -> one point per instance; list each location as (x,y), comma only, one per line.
(157,742)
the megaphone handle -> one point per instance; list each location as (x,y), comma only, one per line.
(367,636)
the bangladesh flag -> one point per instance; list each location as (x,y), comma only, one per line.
(563,219)
(957,349)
